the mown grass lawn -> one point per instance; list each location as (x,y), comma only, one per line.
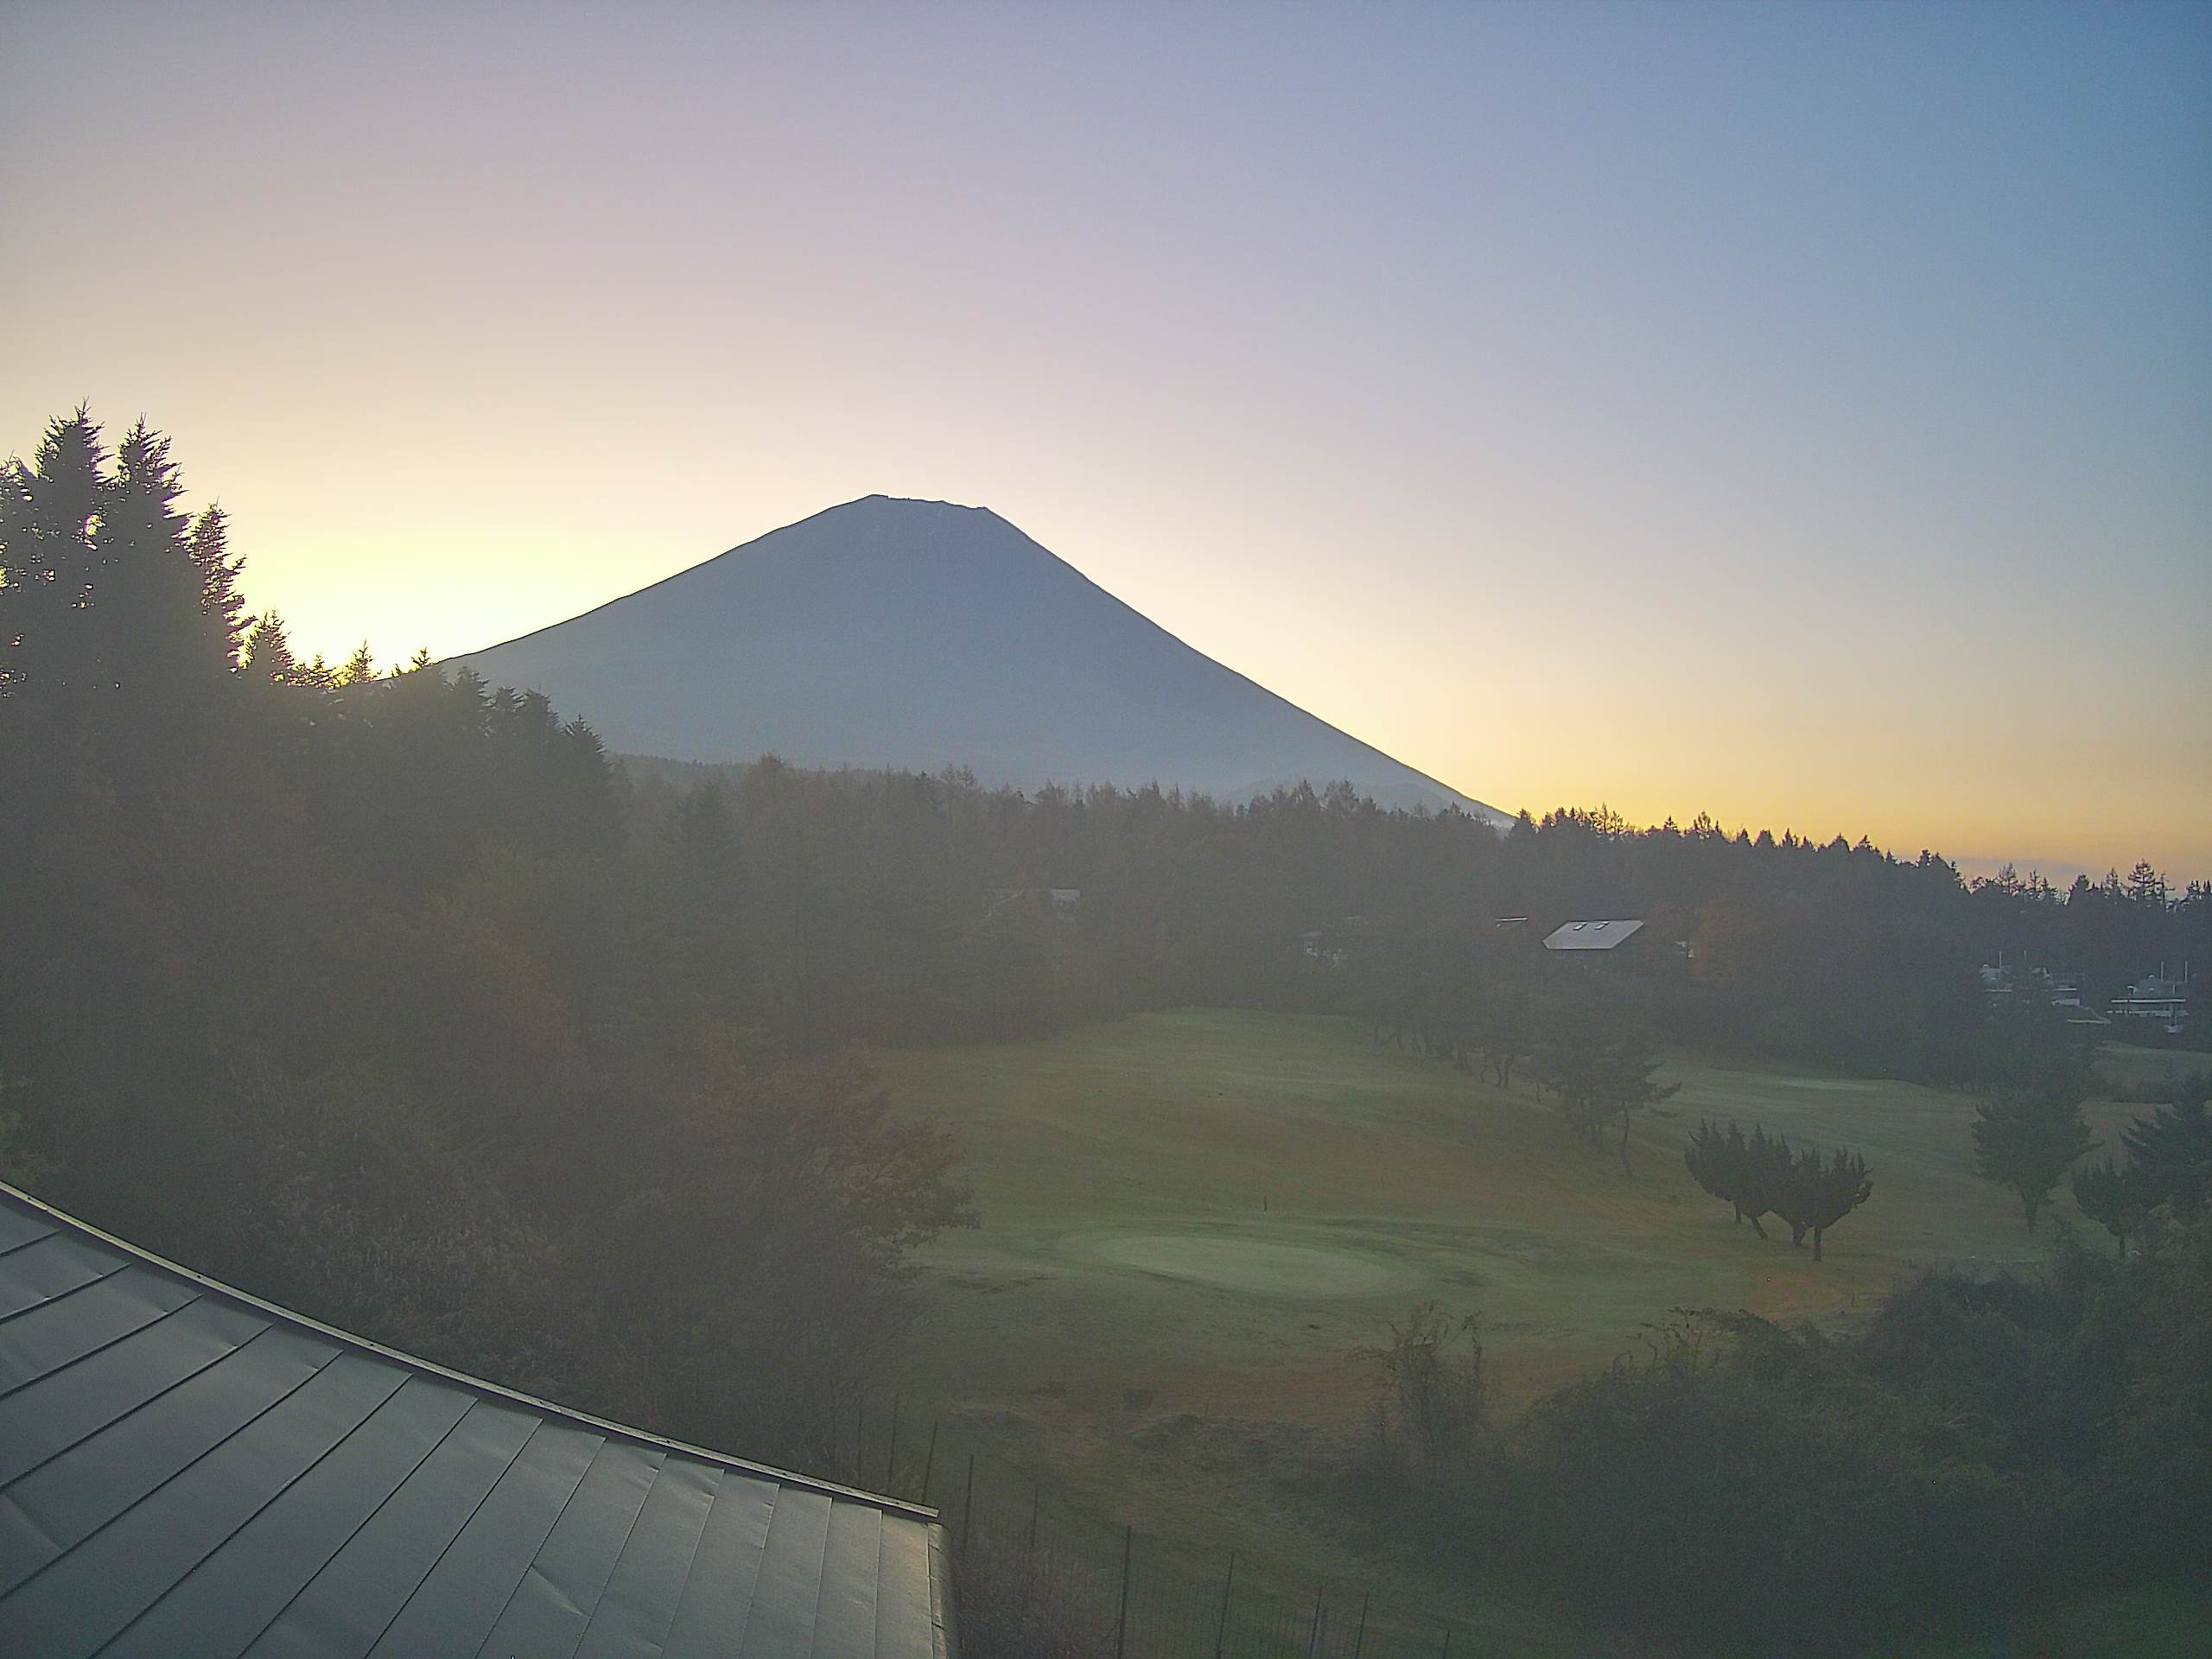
(1192,1221)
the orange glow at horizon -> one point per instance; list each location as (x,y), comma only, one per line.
(1579,409)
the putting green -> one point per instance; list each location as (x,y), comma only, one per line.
(1253,1266)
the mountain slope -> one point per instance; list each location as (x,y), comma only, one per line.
(920,634)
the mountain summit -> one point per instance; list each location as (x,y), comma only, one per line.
(918,635)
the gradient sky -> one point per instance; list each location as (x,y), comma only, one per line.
(1798,412)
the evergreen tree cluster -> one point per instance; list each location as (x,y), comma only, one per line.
(354,990)
(1759,1176)
(2168,1172)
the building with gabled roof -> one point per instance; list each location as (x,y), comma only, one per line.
(1591,936)
(185,1469)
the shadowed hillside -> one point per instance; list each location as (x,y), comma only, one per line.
(921,634)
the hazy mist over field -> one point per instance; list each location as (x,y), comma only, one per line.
(1448,894)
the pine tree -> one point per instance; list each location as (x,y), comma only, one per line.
(1713,1163)
(1626,1084)
(2111,1195)
(222,607)
(48,511)
(2027,1141)
(1750,1174)
(268,659)
(1814,1193)
(2170,1151)
(145,604)
(2145,886)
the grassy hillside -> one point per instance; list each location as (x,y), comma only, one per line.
(1192,1220)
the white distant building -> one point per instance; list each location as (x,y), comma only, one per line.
(2162,1001)
(2060,987)
(1591,936)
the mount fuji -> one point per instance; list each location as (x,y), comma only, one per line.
(917,635)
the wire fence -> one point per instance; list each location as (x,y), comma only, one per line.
(1041,1578)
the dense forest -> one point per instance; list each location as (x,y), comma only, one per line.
(396,998)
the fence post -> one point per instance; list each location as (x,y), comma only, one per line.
(1313,1631)
(1121,1620)
(891,1458)
(1359,1641)
(929,1463)
(1227,1584)
(1447,1642)
(968,1504)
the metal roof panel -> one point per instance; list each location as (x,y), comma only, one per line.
(903,1624)
(551,1606)
(187,1468)
(45,1418)
(789,1588)
(640,1601)
(470,1584)
(239,1589)
(844,1619)
(360,1591)
(51,1267)
(70,1498)
(717,1602)
(85,1597)
(49,1335)
(19,1227)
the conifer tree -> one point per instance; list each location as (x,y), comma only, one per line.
(2171,1150)
(222,607)
(1816,1193)
(2110,1194)
(1748,1173)
(2027,1141)
(147,591)
(268,658)
(1626,1084)
(48,511)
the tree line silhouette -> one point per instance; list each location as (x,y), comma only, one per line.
(393,996)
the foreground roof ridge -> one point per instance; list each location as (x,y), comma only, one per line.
(347,1340)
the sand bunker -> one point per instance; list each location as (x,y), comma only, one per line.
(1247,1265)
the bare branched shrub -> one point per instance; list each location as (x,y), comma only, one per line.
(1428,1414)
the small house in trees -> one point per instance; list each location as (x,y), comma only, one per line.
(2160,1002)
(185,1469)
(1591,936)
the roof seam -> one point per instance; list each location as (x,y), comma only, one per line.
(25,1244)
(599,1602)
(59,1295)
(660,1643)
(260,1509)
(173,1475)
(752,1591)
(408,1600)
(192,1301)
(531,1566)
(412,1470)
(161,1393)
